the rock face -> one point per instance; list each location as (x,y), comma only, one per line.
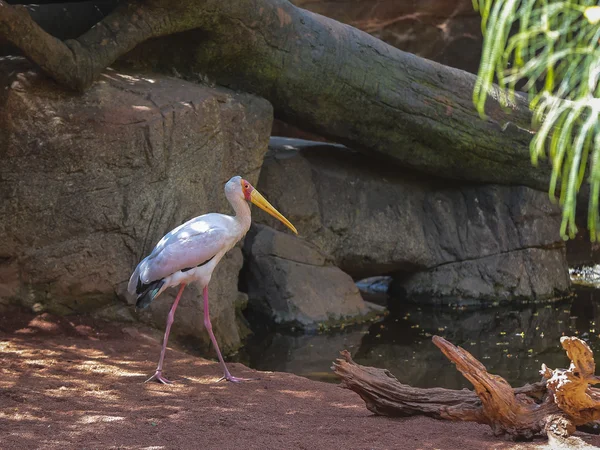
(293,283)
(89,183)
(517,274)
(485,242)
(446,31)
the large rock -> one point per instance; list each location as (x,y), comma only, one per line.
(471,241)
(515,275)
(89,183)
(293,284)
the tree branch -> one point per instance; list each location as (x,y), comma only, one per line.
(76,63)
(385,395)
(506,411)
(553,407)
(51,54)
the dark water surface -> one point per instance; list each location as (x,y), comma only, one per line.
(511,341)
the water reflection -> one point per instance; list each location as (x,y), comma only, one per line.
(512,341)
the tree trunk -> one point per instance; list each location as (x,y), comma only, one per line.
(64,20)
(327,77)
(555,406)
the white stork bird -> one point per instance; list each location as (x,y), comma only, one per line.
(190,253)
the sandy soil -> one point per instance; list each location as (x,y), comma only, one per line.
(78,383)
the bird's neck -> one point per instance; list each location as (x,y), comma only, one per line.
(242,214)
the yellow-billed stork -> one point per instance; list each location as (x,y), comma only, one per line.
(190,253)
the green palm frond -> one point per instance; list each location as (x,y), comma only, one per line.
(551,50)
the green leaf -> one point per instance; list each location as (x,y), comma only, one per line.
(554,55)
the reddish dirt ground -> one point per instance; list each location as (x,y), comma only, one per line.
(78,383)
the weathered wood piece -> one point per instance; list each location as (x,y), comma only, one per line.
(385,395)
(504,410)
(554,406)
(570,388)
(329,78)
(64,20)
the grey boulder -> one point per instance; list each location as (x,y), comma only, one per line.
(294,284)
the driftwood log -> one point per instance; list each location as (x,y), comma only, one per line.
(554,406)
(327,77)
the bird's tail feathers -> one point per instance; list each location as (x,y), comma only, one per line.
(147,292)
(135,277)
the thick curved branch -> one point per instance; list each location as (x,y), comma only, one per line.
(505,410)
(64,20)
(341,83)
(75,63)
(51,54)
(519,413)
(385,395)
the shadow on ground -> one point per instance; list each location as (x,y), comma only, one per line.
(78,383)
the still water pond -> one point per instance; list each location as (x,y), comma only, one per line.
(511,341)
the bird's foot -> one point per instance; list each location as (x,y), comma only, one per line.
(158,378)
(233,379)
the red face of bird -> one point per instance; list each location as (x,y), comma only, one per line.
(252,195)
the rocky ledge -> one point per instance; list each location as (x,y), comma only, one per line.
(442,241)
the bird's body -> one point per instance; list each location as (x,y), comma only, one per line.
(190,253)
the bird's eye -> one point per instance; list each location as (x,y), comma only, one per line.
(246,186)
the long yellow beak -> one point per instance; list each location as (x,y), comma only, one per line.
(262,203)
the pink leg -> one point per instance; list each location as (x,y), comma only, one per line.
(226,374)
(158,374)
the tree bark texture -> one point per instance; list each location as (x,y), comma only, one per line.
(327,77)
(64,20)
(555,406)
